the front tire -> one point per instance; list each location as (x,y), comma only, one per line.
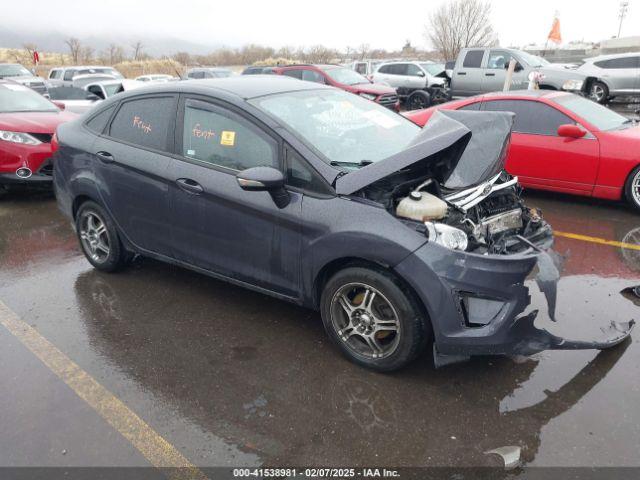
(599,93)
(374,321)
(632,189)
(418,100)
(99,238)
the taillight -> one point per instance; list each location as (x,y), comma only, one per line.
(54,143)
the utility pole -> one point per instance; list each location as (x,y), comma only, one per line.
(624,8)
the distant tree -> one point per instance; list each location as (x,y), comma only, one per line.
(114,54)
(137,50)
(74,49)
(458,24)
(285,52)
(30,48)
(183,58)
(363,50)
(86,54)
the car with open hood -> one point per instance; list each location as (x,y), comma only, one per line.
(402,237)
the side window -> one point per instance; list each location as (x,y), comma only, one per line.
(220,137)
(361,68)
(312,76)
(293,73)
(619,63)
(533,118)
(68,74)
(144,122)
(413,70)
(54,74)
(473,59)
(196,74)
(96,90)
(399,69)
(99,121)
(498,60)
(471,106)
(300,175)
(385,69)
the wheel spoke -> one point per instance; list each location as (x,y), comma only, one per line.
(373,344)
(347,332)
(102,247)
(369,295)
(100,229)
(345,303)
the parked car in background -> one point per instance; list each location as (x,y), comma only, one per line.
(209,72)
(107,88)
(345,79)
(365,67)
(417,83)
(483,70)
(156,78)
(617,76)
(64,76)
(321,198)
(564,143)
(253,70)
(27,123)
(19,74)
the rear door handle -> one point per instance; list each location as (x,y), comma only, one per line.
(190,186)
(105,157)
(462,73)
(490,74)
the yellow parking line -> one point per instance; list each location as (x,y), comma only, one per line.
(601,241)
(151,445)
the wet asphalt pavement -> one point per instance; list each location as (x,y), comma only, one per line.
(232,377)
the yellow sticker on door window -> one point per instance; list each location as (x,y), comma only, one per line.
(228,138)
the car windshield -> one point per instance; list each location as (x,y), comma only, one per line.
(346,76)
(532,60)
(348,130)
(112,89)
(600,117)
(14,71)
(17,98)
(433,68)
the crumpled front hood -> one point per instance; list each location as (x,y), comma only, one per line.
(464,148)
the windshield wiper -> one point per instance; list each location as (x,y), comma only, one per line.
(360,163)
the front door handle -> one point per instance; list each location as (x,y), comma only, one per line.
(190,186)
(462,73)
(105,157)
(489,74)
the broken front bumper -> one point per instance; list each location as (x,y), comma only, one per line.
(480,305)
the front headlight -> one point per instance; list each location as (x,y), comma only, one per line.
(18,137)
(368,96)
(447,236)
(572,85)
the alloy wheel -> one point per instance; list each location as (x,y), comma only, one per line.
(597,93)
(365,320)
(93,234)
(635,188)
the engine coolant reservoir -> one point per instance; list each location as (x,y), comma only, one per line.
(422,207)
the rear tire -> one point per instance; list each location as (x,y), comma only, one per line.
(418,100)
(632,189)
(599,93)
(374,320)
(99,238)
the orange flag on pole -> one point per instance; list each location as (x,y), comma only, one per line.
(554,34)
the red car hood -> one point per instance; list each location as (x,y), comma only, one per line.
(374,88)
(34,122)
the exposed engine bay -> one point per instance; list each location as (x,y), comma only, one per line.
(491,215)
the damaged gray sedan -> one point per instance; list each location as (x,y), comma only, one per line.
(402,237)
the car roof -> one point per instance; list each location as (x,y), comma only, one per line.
(526,94)
(242,86)
(612,56)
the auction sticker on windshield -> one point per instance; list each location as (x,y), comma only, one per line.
(381,119)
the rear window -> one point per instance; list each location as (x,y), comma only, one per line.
(293,73)
(473,59)
(98,122)
(619,63)
(144,122)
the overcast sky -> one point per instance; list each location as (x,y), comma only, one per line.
(332,23)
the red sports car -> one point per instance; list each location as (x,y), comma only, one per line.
(27,123)
(564,142)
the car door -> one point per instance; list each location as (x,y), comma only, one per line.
(622,74)
(468,75)
(132,160)
(539,157)
(392,74)
(217,226)
(416,77)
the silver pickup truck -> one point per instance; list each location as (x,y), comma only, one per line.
(482,70)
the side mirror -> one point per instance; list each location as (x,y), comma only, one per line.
(420,73)
(571,131)
(92,96)
(265,179)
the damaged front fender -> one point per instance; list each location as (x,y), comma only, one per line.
(478,304)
